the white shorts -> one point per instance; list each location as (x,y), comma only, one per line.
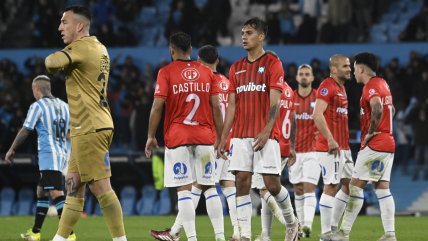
(306,169)
(373,165)
(222,171)
(257,178)
(243,158)
(187,164)
(334,169)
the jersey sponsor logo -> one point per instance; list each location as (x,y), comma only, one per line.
(190,87)
(324,91)
(372,92)
(241,71)
(342,110)
(180,170)
(190,74)
(251,87)
(261,70)
(304,116)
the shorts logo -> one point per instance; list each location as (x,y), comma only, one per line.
(324,91)
(377,166)
(324,171)
(180,168)
(230,150)
(107,159)
(208,168)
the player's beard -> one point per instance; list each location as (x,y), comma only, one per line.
(304,85)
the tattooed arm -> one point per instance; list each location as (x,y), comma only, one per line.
(376,114)
(263,136)
(19,139)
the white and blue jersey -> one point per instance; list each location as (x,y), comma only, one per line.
(50,118)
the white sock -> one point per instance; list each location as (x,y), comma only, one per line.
(283,200)
(58,238)
(309,206)
(298,203)
(326,210)
(176,227)
(244,209)
(186,213)
(387,210)
(274,208)
(355,203)
(266,216)
(122,238)
(215,211)
(340,201)
(230,193)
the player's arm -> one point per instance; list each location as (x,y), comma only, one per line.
(57,61)
(321,124)
(154,120)
(228,123)
(263,136)
(292,157)
(19,139)
(217,117)
(375,116)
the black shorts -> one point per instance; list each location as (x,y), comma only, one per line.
(51,180)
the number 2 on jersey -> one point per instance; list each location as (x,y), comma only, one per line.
(188,120)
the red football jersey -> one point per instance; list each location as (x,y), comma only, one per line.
(252,81)
(305,126)
(223,83)
(186,87)
(336,114)
(283,123)
(384,141)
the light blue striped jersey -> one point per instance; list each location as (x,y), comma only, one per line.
(50,118)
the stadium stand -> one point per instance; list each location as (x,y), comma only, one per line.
(128,197)
(7,199)
(24,204)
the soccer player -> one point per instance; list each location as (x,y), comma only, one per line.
(86,64)
(284,124)
(256,83)
(331,119)
(49,116)
(208,56)
(188,90)
(305,173)
(375,159)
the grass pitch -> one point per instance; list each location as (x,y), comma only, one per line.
(137,228)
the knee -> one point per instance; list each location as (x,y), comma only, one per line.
(41,193)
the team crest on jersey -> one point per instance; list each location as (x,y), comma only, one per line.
(372,92)
(287,93)
(190,74)
(261,70)
(281,80)
(324,91)
(223,85)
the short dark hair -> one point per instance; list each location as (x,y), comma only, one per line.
(208,54)
(368,59)
(258,24)
(181,40)
(81,10)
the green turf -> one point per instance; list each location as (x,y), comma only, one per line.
(137,228)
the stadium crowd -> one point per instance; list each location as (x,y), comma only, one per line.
(131,94)
(149,22)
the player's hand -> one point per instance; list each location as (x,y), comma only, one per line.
(333,148)
(291,158)
(260,140)
(368,137)
(151,142)
(9,156)
(220,149)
